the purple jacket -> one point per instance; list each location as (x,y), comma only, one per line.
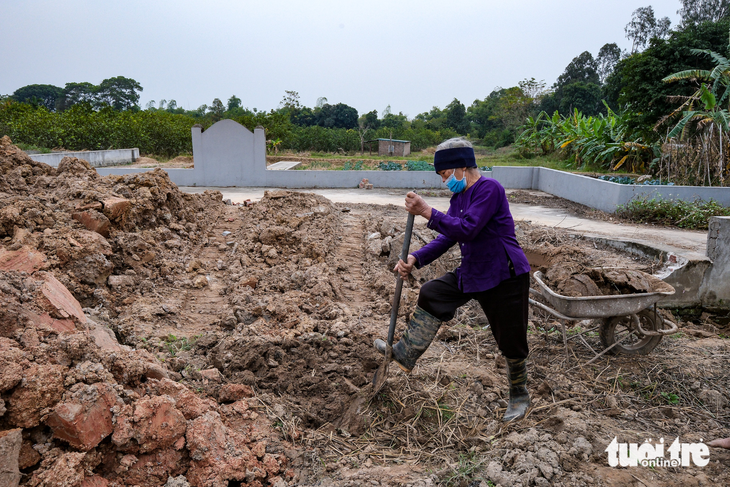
(480,221)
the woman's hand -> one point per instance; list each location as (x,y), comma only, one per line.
(405,268)
(417,206)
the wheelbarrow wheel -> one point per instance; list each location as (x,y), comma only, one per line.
(617,327)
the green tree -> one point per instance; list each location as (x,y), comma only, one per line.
(75,93)
(578,87)
(608,56)
(636,81)
(644,26)
(48,96)
(216,110)
(699,11)
(456,117)
(234,102)
(336,116)
(371,119)
(119,92)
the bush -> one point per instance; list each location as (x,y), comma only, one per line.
(390,166)
(419,166)
(692,215)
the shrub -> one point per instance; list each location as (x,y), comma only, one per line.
(693,215)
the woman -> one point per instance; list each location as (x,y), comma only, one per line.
(494,269)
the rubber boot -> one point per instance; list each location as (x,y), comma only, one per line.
(414,342)
(519,398)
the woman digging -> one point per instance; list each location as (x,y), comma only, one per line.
(494,270)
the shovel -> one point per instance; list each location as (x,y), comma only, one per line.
(382,373)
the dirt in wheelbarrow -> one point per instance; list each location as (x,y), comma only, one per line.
(151,338)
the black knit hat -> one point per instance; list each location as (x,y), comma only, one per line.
(452,158)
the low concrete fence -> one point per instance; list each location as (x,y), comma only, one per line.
(96,158)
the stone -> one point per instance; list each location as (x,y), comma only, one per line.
(200,282)
(58,301)
(93,221)
(103,336)
(86,417)
(95,481)
(155,424)
(2,408)
(10,442)
(234,392)
(189,403)
(156,371)
(63,470)
(180,481)
(115,208)
(219,454)
(40,388)
(22,260)
(116,282)
(212,375)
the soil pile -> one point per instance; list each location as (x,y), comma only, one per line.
(76,407)
(150,337)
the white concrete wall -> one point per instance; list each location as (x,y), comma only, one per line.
(96,158)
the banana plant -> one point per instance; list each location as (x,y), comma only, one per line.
(706,110)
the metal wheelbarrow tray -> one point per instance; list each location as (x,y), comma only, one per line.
(586,307)
(625,322)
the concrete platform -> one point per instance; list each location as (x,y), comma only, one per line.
(283,165)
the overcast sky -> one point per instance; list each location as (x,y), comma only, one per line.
(409,54)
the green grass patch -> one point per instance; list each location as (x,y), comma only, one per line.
(693,215)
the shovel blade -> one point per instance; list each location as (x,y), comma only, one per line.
(381,375)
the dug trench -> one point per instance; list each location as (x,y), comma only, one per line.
(242,334)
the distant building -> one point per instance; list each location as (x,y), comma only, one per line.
(391,147)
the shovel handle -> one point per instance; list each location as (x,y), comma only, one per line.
(399,281)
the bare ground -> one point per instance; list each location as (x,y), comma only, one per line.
(242,335)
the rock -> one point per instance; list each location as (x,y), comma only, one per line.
(234,392)
(58,301)
(59,470)
(212,375)
(219,454)
(93,221)
(117,282)
(155,468)
(155,424)
(41,387)
(200,282)
(10,442)
(180,481)
(2,408)
(156,371)
(22,260)
(85,418)
(95,481)
(581,448)
(115,208)
(186,401)
(374,244)
(103,336)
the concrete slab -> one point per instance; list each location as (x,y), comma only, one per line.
(282,165)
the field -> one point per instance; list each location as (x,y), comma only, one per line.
(151,337)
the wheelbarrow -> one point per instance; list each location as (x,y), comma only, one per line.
(626,323)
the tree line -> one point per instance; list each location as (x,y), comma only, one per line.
(630,84)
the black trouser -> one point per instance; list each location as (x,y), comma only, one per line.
(505,306)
